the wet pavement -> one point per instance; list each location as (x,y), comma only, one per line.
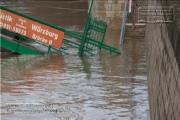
(68,87)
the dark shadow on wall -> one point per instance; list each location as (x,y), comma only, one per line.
(174,27)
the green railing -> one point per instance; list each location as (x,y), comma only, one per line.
(23,45)
(16,47)
(93,36)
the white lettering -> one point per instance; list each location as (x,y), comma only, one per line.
(20,26)
(44,31)
(1,24)
(6,17)
(39,38)
(21,20)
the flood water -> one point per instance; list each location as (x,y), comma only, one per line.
(69,87)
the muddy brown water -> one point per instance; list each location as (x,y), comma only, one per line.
(68,87)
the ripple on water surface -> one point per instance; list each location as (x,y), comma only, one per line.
(59,87)
(87,87)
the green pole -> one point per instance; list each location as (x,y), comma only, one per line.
(19,41)
(104,33)
(49,50)
(86,29)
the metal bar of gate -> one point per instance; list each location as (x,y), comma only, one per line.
(86,29)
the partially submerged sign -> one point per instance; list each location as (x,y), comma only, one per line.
(51,35)
(31,29)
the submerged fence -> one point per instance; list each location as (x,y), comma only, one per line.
(92,37)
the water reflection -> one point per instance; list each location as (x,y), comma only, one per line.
(83,88)
(61,13)
(91,87)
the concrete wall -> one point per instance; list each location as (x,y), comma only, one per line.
(110,11)
(163,45)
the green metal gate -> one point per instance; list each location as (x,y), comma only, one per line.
(92,38)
